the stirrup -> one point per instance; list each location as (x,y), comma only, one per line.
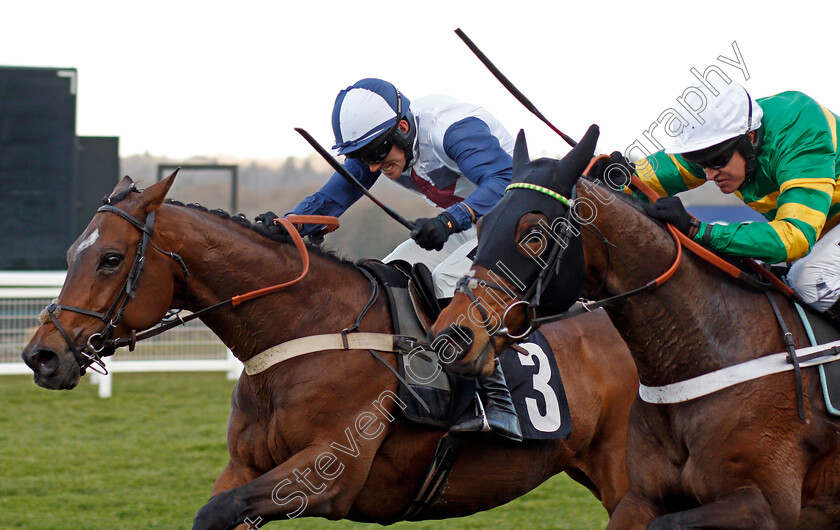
(485,425)
(476,423)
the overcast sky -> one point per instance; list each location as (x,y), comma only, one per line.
(183,78)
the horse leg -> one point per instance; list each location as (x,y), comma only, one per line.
(315,482)
(609,454)
(611,475)
(632,513)
(743,508)
(230,478)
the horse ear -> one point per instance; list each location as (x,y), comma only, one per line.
(589,141)
(520,151)
(154,195)
(125,183)
(578,158)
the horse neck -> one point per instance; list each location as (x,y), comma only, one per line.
(698,321)
(225,260)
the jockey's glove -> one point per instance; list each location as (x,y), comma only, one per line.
(430,233)
(265,224)
(266,218)
(614,172)
(671,210)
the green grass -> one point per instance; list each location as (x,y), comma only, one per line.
(147,458)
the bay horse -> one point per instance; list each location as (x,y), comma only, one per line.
(739,457)
(319,434)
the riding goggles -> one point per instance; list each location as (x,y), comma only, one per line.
(715,157)
(376,151)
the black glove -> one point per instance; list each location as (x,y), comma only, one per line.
(266,218)
(614,172)
(432,232)
(671,210)
(264,224)
(317,237)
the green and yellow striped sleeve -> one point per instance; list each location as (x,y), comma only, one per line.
(802,209)
(668,174)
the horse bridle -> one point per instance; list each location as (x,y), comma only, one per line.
(530,297)
(101,344)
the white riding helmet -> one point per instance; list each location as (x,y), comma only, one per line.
(730,114)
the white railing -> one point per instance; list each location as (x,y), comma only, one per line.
(189,348)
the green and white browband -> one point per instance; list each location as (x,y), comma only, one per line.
(551,193)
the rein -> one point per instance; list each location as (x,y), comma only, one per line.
(555,258)
(738,274)
(587,306)
(681,240)
(102,345)
(713,259)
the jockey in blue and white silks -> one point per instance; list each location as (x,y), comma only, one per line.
(455,154)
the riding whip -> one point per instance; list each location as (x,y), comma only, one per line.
(511,88)
(351,179)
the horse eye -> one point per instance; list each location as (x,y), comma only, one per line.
(531,231)
(110,261)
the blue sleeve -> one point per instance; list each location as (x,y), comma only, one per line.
(482,160)
(336,195)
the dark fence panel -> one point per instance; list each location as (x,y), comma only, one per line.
(38,167)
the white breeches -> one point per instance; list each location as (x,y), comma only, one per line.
(447,265)
(816,277)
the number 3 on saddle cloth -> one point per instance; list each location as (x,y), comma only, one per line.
(530,370)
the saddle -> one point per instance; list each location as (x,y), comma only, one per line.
(533,377)
(414,308)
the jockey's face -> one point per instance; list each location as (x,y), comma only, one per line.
(730,177)
(394,164)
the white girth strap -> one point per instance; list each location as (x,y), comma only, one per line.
(302,346)
(705,384)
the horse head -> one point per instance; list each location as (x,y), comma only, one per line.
(99,300)
(523,244)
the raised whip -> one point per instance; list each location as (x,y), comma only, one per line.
(512,89)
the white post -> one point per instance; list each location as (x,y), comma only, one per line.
(105,385)
(235,366)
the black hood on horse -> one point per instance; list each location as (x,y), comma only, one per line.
(535,251)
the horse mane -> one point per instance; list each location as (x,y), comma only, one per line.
(279,236)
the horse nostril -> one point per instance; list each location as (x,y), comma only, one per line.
(42,361)
(453,343)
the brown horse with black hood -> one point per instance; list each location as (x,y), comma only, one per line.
(699,454)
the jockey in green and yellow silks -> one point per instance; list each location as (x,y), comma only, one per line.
(779,155)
